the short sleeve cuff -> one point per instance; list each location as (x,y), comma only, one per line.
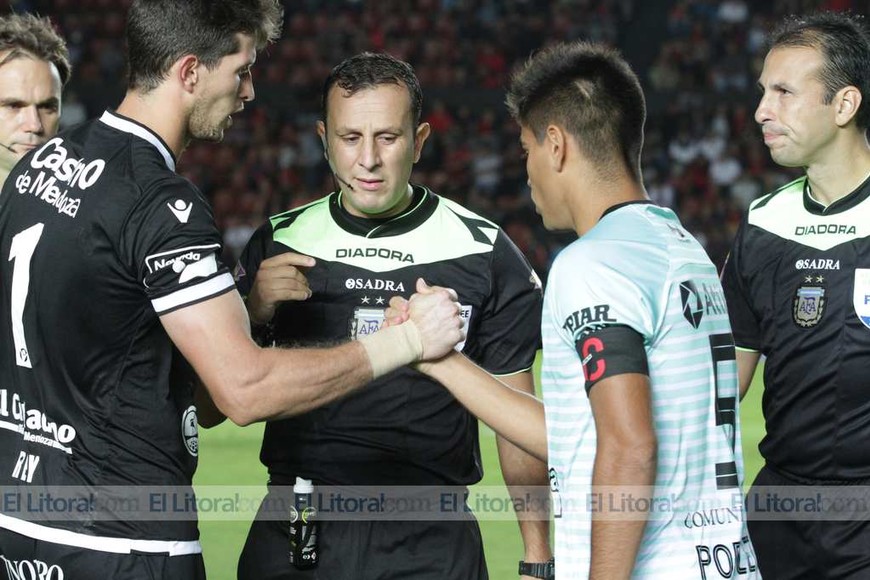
(193,294)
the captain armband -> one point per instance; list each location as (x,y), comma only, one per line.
(610,351)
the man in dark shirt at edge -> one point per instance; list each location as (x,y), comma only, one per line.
(110,258)
(797,284)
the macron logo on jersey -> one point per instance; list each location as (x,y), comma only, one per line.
(180,209)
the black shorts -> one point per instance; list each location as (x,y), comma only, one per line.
(795,545)
(362,550)
(29,559)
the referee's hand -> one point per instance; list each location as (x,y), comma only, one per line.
(398,311)
(435,312)
(279,279)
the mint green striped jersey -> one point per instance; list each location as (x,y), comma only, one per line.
(638,267)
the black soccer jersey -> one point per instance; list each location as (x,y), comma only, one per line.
(797,284)
(98,238)
(404,428)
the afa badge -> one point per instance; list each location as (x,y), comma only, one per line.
(809,302)
(861,295)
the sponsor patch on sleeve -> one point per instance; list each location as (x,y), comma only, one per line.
(183,264)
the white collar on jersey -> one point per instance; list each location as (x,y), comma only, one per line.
(127,126)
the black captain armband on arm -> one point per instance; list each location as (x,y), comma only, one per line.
(609,351)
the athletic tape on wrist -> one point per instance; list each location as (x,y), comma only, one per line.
(393,347)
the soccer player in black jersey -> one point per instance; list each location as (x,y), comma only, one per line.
(34,66)
(372,238)
(797,285)
(108,259)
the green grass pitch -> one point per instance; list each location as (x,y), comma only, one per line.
(229,457)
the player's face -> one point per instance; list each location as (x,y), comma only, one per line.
(552,212)
(371,145)
(798,127)
(223,91)
(29,107)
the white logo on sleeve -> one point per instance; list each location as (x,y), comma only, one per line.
(189,431)
(189,263)
(201,269)
(180,209)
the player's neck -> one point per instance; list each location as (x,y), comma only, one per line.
(597,195)
(840,172)
(156,113)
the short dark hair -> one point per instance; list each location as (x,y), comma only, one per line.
(842,40)
(26,34)
(159,32)
(588,89)
(368,70)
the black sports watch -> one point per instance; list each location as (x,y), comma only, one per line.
(545,570)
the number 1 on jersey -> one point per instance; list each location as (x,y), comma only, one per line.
(23,246)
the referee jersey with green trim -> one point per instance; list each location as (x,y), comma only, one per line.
(403,428)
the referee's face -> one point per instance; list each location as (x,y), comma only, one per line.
(797,125)
(371,144)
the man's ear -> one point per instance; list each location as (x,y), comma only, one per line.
(187,69)
(420,136)
(846,103)
(555,142)
(321,132)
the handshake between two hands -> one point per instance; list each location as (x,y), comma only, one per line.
(435,312)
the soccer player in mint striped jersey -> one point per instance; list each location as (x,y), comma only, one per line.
(639,376)
(637,294)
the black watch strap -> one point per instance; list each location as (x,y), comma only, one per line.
(544,570)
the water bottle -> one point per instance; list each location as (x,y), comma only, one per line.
(303,526)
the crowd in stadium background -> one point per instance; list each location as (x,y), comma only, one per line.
(698,60)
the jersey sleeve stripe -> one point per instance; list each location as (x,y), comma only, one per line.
(746,349)
(512,373)
(192,294)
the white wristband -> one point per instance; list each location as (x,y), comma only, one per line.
(393,347)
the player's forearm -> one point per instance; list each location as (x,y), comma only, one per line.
(281,383)
(747,361)
(251,384)
(517,416)
(528,485)
(623,477)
